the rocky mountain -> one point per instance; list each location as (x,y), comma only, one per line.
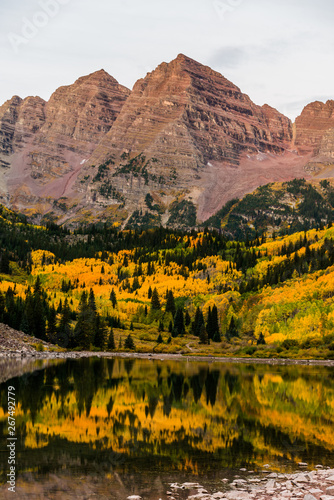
(43,145)
(312,125)
(177,148)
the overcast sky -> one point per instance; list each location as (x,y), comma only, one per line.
(279,52)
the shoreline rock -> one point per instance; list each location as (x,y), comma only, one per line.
(16,344)
(306,485)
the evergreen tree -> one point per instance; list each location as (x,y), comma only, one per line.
(111,341)
(198,322)
(187,319)
(51,325)
(129,343)
(170,304)
(213,325)
(113,298)
(64,331)
(261,339)
(39,317)
(84,331)
(203,335)
(178,329)
(160,339)
(101,333)
(149,294)
(155,301)
(161,326)
(232,330)
(135,284)
(91,301)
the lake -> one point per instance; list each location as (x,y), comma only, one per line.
(110,428)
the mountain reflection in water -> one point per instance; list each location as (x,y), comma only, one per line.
(125,418)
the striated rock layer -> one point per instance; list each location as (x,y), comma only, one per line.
(96,150)
(185,114)
(42,142)
(312,125)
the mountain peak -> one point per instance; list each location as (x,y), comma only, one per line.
(97,77)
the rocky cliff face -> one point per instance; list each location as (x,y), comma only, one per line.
(185,138)
(43,142)
(312,125)
(178,122)
(185,114)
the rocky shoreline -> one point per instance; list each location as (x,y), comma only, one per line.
(16,344)
(315,485)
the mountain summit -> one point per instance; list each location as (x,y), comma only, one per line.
(184,135)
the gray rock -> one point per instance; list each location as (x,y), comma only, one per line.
(191,485)
(134,497)
(200,496)
(302,478)
(330,490)
(309,497)
(238,495)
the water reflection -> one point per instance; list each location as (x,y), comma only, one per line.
(100,416)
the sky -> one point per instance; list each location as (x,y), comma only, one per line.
(279,52)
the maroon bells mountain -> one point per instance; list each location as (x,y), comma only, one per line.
(98,151)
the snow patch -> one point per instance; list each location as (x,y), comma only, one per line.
(83,161)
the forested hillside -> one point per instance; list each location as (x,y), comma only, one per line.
(169,291)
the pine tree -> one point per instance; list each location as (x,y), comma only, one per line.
(178,329)
(129,343)
(160,339)
(149,294)
(261,339)
(209,328)
(155,301)
(216,337)
(51,325)
(101,333)
(203,336)
(187,319)
(113,298)
(111,341)
(232,330)
(198,322)
(85,328)
(170,304)
(39,318)
(64,331)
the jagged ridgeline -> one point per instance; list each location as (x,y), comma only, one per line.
(184,136)
(166,290)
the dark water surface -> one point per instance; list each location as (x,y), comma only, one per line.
(114,427)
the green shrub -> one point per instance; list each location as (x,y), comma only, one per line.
(288,343)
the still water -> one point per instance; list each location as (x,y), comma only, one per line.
(110,428)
